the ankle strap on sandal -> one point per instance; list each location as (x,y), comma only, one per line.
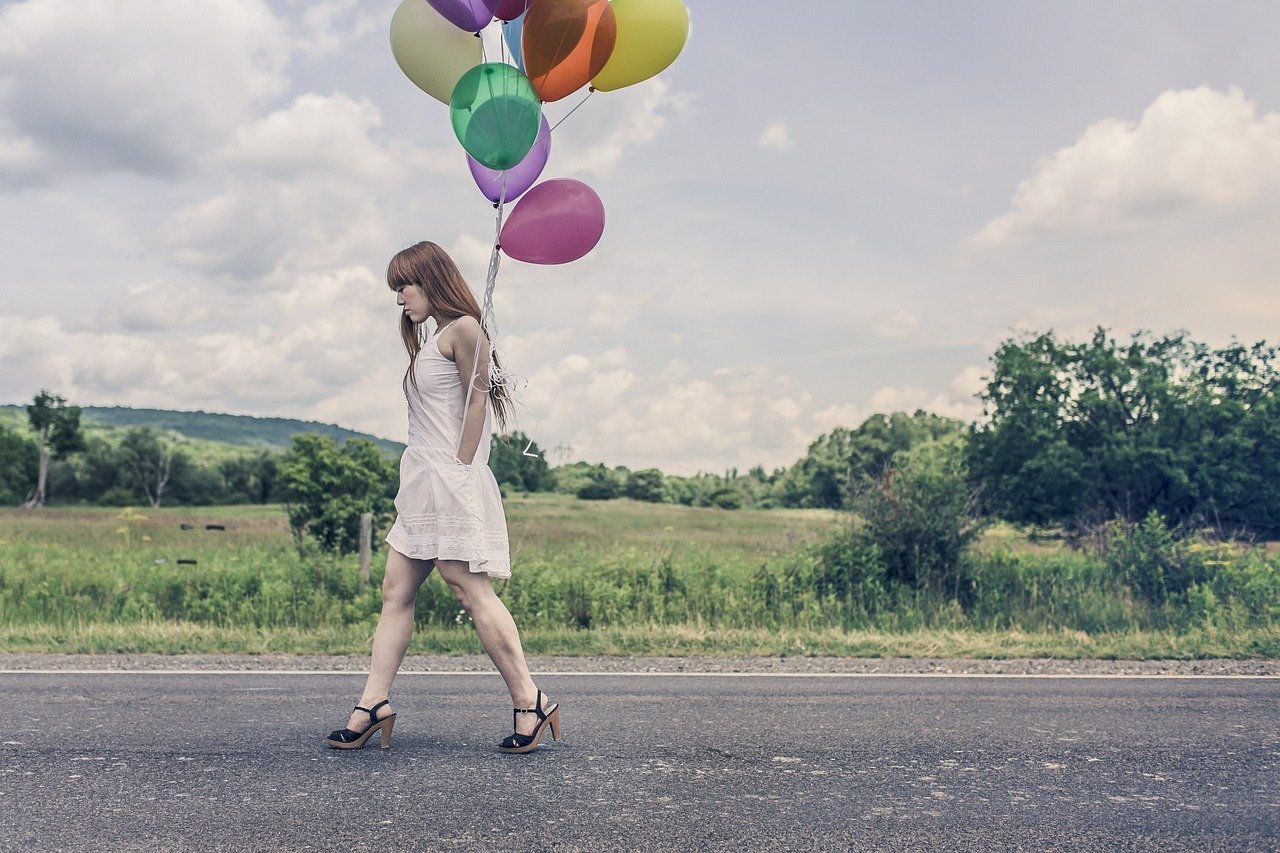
(535,710)
(373,712)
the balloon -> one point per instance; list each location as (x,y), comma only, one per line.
(520,176)
(511,32)
(470,15)
(651,34)
(565,43)
(430,52)
(556,222)
(509,10)
(495,114)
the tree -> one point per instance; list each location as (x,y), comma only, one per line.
(249,477)
(601,485)
(645,485)
(150,459)
(327,487)
(518,462)
(879,438)
(821,477)
(57,429)
(725,496)
(1077,433)
(841,463)
(93,473)
(922,515)
(19,465)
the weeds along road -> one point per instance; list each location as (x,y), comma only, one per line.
(650,762)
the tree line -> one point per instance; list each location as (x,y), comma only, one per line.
(1072,434)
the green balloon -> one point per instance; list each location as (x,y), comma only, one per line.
(496,114)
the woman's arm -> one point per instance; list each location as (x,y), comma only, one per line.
(471,353)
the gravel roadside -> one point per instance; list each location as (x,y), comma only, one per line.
(774,665)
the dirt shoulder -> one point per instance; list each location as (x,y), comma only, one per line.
(765,665)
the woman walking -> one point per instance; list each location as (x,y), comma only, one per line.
(448,509)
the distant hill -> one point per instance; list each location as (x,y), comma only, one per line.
(240,430)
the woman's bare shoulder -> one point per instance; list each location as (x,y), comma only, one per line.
(466,324)
(461,331)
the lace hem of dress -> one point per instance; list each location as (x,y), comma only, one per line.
(452,538)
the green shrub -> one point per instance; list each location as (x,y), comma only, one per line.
(922,516)
(329,487)
(598,490)
(644,485)
(1151,557)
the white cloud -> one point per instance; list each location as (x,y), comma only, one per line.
(156,305)
(969,382)
(303,193)
(897,325)
(606,128)
(1192,148)
(470,252)
(613,313)
(908,399)
(847,415)
(609,409)
(776,137)
(331,25)
(130,85)
(531,348)
(317,135)
(325,349)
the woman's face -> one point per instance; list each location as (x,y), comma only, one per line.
(414,303)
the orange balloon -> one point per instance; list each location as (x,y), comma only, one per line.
(565,43)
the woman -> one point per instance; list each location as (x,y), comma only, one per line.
(449,511)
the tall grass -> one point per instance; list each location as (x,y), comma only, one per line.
(620,577)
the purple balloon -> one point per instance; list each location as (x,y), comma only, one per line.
(520,176)
(509,10)
(556,222)
(470,15)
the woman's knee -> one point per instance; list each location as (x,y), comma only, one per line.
(401,582)
(398,592)
(460,593)
(470,590)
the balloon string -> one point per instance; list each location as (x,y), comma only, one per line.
(574,110)
(498,376)
(487,318)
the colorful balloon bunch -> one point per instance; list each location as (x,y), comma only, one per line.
(556,48)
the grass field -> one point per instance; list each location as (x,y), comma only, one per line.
(613,577)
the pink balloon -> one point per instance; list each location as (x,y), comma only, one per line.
(520,176)
(509,10)
(470,15)
(556,222)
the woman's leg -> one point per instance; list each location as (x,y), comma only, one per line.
(498,634)
(391,637)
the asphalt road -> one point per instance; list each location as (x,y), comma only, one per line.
(235,762)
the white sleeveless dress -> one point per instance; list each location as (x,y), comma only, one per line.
(446,510)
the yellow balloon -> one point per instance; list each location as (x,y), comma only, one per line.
(651,34)
(431,52)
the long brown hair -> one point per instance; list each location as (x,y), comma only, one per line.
(427,266)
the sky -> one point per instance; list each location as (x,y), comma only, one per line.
(819,212)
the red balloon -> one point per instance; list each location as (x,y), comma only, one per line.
(555,222)
(565,43)
(509,10)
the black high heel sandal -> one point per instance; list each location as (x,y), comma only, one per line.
(516,742)
(347,739)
